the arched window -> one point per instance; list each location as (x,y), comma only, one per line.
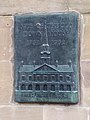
(52,87)
(37,87)
(30,87)
(23,87)
(61,87)
(68,88)
(45,87)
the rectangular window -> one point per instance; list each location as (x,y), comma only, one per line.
(53,77)
(61,78)
(23,77)
(45,77)
(38,77)
(68,78)
(30,77)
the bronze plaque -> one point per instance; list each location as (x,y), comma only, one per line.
(46,62)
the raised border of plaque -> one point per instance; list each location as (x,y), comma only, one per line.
(46,57)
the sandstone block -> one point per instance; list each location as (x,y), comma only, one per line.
(21,113)
(66,113)
(6,24)
(85,69)
(85,46)
(6,84)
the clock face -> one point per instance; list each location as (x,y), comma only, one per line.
(46,51)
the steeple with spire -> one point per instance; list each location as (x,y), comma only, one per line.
(45,53)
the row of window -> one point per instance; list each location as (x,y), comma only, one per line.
(45,87)
(45,77)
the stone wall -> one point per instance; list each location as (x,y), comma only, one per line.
(14,111)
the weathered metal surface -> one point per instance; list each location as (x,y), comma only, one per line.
(46,63)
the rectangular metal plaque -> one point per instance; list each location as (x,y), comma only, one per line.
(46,66)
